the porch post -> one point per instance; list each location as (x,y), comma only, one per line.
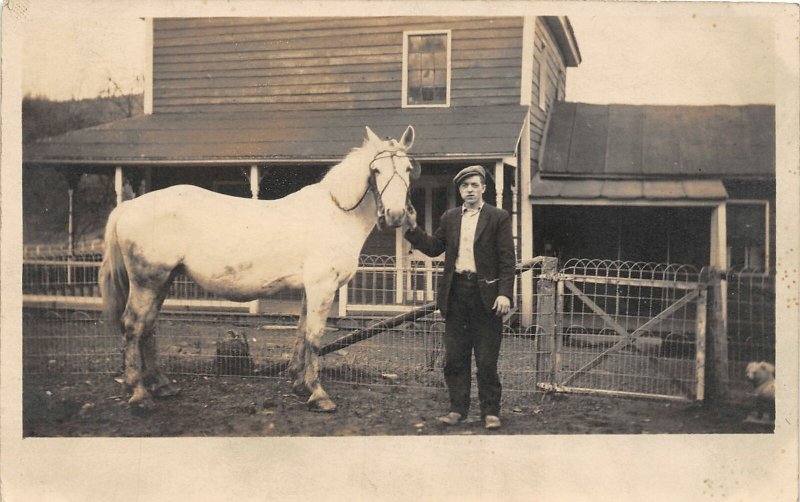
(255,178)
(118,183)
(70,233)
(429,227)
(526,225)
(147,180)
(73,179)
(719,237)
(255,306)
(398,261)
(499,182)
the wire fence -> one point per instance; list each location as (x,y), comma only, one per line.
(599,326)
(750,326)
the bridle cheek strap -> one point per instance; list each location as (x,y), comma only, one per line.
(372,186)
(381,211)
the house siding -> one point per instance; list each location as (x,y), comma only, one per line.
(247,64)
(556,83)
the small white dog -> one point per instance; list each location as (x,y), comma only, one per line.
(762,376)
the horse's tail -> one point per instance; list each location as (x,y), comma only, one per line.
(113,275)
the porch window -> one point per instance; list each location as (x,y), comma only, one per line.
(747,226)
(426,68)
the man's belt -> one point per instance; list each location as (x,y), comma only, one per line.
(467,276)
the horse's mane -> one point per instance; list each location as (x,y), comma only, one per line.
(347,180)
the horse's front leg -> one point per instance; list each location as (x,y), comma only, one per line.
(318,307)
(297,364)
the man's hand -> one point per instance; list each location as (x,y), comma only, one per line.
(411,218)
(502,305)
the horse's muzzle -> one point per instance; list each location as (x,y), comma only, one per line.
(393,218)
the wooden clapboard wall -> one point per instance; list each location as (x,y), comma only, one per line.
(547,53)
(253,64)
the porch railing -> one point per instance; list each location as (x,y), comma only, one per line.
(54,276)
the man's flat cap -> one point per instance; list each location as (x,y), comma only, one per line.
(470,171)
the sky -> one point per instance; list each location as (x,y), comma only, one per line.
(681,59)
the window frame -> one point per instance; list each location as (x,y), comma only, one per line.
(404,79)
(766,244)
(543,81)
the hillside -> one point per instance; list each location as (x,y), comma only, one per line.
(44,190)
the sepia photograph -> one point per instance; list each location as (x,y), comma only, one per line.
(457,225)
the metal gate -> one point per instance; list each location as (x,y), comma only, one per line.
(624,328)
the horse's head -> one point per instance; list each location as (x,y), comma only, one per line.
(391,171)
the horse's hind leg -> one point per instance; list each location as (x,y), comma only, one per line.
(136,320)
(318,305)
(158,383)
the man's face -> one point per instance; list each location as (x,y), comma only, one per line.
(471,189)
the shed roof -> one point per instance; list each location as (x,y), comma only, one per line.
(593,191)
(308,136)
(629,141)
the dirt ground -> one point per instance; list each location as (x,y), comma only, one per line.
(94,405)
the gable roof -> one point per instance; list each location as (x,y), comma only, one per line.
(288,137)
(629,141)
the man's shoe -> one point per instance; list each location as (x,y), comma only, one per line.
(452,418)
(492,422)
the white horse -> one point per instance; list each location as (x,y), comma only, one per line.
(244,249)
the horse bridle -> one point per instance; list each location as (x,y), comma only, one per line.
(372,185)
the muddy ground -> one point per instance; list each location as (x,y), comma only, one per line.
(94,405)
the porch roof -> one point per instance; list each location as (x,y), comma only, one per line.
(596,191)
(282,137)
(647,142)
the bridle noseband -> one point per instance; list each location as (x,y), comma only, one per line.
(372,186)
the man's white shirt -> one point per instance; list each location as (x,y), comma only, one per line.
(465,261)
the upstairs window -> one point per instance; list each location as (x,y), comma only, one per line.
(426,68)
(543,81)
(542,85)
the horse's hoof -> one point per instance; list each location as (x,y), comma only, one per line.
(300,389)
(142,403)
(123,382)
(325,405)
(166,391)
(141,398)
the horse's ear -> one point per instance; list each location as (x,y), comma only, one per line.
(372,137)
(408,138)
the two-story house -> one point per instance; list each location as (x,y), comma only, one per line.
(259,107)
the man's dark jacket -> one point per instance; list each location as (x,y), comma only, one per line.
(493,250)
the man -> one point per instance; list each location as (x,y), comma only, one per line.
(474,292)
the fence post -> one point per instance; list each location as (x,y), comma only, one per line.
(546,314)
(719,337)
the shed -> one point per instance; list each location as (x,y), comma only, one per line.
(656,177)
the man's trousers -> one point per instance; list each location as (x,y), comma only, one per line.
(469,326)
